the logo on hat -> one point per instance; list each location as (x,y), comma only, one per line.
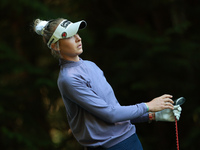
(64,35)
(65,23)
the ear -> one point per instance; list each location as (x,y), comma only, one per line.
(53,46)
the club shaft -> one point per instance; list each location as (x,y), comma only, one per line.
(177,141)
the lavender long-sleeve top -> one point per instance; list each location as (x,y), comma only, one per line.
(95,116)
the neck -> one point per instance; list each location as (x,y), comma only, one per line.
(75,59)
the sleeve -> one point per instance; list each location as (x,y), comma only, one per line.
(143,118)
(77,91)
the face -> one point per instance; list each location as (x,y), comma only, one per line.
(71,48)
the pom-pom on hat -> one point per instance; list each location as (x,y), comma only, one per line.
(66,29)
(39,29)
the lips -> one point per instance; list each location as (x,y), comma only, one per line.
(80,46)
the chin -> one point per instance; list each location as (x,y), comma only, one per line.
(80,51)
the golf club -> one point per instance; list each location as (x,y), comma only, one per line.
(178,101)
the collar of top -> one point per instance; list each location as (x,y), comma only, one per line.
(67,63)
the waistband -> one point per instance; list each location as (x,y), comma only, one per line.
(130,143)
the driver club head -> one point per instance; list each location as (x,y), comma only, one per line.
(179,101)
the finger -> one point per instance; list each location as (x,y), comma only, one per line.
(177,114)
(169,106)
(166,96)
(168,100)
(177,107)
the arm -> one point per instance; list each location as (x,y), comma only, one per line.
(143,118)
(77,91)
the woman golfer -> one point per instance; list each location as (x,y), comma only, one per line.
(96,118)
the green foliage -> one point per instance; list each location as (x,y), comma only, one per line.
(145,48)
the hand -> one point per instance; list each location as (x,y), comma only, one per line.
(161,103)
(177,111)
(168,114)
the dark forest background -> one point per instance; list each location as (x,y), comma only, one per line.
(146,48)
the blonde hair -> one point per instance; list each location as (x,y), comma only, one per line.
(46,29)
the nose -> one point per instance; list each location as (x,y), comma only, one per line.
(78,38)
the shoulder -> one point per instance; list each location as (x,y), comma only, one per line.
(68,82)
(71,76)
(91,64)
(68,75)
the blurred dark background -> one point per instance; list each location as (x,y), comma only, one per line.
(145,48)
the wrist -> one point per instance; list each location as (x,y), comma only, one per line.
(147,107)
(151,116)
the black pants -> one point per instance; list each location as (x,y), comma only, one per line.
(131,143)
